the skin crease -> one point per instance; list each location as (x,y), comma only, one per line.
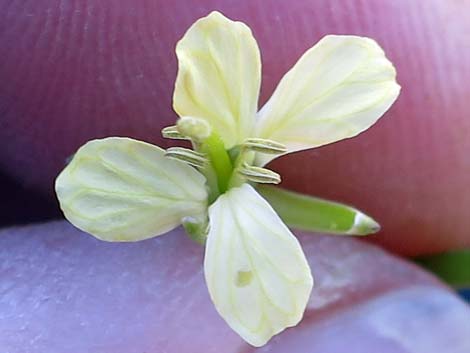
(76,70)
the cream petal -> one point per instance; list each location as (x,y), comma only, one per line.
(219,74)
(337,89)
(119,189)
(255,269)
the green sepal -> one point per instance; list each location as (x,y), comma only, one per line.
(317,215)
(196,229)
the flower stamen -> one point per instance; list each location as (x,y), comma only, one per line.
(171,132)
(259,175)
(187,155)
(264,146)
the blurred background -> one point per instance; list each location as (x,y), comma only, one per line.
(74,70)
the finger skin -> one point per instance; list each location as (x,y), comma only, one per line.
(65,291)
(76,70)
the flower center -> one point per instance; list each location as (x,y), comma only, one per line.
(223,169)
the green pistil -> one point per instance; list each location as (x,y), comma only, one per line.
(219,160)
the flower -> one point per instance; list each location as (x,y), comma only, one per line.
(120,189)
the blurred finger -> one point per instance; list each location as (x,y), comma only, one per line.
(64,291)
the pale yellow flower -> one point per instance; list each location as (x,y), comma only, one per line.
(120,189)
